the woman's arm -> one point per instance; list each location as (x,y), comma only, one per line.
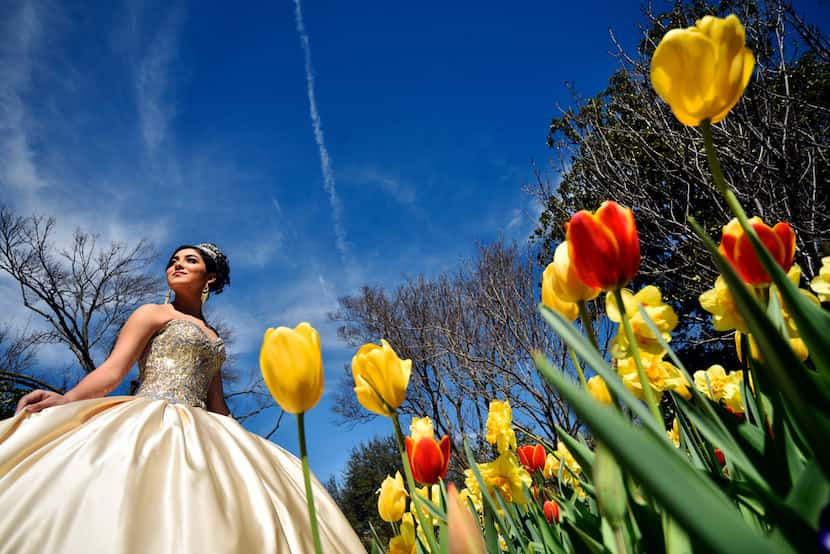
(138,329)
(216,397)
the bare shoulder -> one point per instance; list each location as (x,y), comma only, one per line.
(151,316)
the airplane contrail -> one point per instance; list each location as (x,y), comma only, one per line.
(325,160)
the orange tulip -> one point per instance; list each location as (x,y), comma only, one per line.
(532,457)
(428,458)
(604,246)
(736,248)
(551,509)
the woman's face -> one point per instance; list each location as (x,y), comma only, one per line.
(187,272)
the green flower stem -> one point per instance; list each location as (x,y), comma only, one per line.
(720,181)
(424,522)
(578,367)
(309,495)
(585,318)
(648,393)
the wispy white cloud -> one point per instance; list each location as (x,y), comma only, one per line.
(20,35)
(153,87)
(391,184)
(316,123)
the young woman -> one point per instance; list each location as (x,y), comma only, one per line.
(164,470)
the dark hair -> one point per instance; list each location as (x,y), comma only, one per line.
(215,262)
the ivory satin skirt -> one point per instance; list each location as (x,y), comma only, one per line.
(130,474)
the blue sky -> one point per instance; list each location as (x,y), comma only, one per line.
(187,122)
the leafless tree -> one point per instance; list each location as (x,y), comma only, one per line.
(470,336)
(17,352)
(83,291)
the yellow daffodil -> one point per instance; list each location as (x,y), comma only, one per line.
(566,282)
(405,542)
(380,378)
(663,316)
(292,366)
(392,498)
(702,71)
(674,434)
(720,386)
(821,282)
(797,345)
(500,426)
(568,310)
(662,375)
(718,302)
(421,427)
(599,389)
(506,475)
(562,466)
(472,491)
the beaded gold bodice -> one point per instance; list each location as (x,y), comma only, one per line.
(179,362)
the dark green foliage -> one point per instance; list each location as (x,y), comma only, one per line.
(368,465)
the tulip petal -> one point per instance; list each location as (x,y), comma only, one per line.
(620,221)
(682,71)
(787,237)
(747,262)
(426,459)
(444,446)
(592,245)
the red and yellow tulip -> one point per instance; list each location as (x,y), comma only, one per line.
(604,246)
(736,248)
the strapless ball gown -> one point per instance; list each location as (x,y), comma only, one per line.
(156,472)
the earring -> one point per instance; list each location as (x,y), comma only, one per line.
(167,296)
(205,293)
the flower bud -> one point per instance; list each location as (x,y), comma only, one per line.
(609,487)
(551,510)
(532,457)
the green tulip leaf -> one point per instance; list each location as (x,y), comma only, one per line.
(689,496)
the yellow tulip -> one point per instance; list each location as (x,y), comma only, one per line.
(568,310)
(702,71)
(405,542)
(392,498)
(380,378)
(292,367)
(599,389)
(566,282)
(500,425)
